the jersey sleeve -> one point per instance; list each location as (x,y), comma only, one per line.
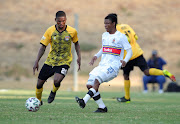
(75,37)
(45,40)
(126,45)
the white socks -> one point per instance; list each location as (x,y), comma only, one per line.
(90,94)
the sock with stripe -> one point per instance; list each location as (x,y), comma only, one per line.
(97,98)
(90,94)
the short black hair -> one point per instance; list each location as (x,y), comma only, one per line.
(114,14)
(60,14)
(112,17)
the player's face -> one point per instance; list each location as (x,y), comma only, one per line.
(61,22)
(109,26)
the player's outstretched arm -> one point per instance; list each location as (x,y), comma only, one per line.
(40,54)
(97,55)
(93,60)
(78,51)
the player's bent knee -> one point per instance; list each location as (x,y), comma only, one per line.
(89,86)
(40,83)
(146,72)
(39,86)
(57,84)
(99,79)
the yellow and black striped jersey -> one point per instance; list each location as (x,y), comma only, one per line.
(60,50)
(132,37)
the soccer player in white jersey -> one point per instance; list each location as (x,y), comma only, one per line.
(113,45)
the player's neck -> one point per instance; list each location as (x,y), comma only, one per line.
(61,29)
(112,31)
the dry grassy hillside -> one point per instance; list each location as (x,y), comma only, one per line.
(23,22)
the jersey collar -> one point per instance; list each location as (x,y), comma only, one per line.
(61,31)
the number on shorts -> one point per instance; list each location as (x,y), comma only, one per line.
(110,69)
(64,71)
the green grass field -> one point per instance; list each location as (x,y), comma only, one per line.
(152,108)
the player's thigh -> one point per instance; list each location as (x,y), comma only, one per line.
(60,72)
(46,72)
(141,63)
(104,73)
(128,68)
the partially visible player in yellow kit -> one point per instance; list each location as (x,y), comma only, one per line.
(59,36)
(137,59)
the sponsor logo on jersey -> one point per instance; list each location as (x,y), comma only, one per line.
(107,49)
(67,38)
(111,50)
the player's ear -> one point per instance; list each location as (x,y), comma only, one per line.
(55,19)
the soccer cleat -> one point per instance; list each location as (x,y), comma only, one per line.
(51,97)
(41,103)
(123,99)
(101,110)
(80,102)
(169,75)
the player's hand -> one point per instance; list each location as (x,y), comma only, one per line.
(36,66)
(79,63)
(93,60)
(123,63)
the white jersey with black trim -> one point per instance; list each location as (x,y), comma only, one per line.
(113,46)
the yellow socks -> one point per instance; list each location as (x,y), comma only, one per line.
(55,88)
(127,88)
(154,71)
(39,93)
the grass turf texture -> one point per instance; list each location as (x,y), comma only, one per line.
(152,108)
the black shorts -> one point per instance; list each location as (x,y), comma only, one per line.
(139,61)
(47,71)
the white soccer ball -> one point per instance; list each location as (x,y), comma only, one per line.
(32,104)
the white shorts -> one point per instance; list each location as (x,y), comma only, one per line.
(102,74)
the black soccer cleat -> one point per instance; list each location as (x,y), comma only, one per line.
(51,97)
(80,102)
(123,99)
(41,103)
(101,110)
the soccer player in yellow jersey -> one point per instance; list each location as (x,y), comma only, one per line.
(137,59)
(59,36)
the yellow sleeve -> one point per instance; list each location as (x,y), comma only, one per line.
(45,40)
(75,37)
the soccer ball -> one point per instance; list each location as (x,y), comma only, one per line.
(32,104)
